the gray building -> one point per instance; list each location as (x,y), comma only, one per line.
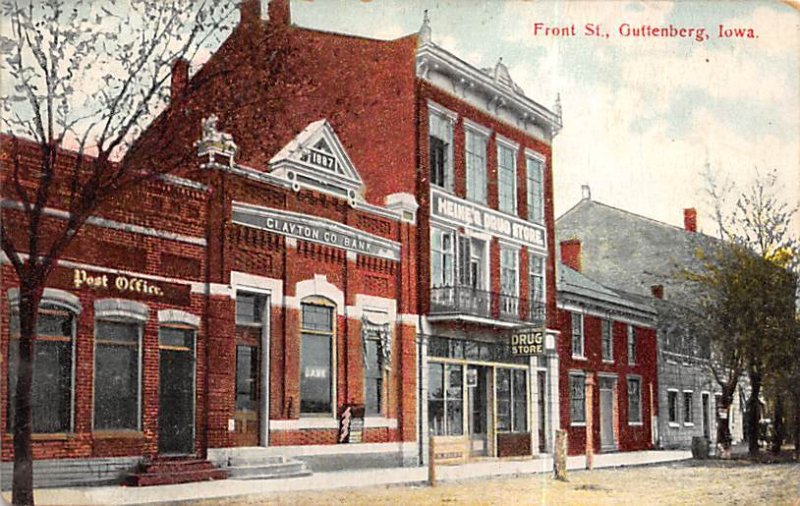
(644,258)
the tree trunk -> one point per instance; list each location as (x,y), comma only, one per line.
(796,426)
(753,413)
(22,487)
(779,429)
(723,421)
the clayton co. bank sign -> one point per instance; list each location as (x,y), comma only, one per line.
(315,229)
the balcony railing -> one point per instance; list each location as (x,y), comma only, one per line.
(465,300)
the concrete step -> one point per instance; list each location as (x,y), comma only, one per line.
(285,470)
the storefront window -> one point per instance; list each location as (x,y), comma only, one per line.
(445,399)
(512,400)
(51,394)
(117,375)
(316,360)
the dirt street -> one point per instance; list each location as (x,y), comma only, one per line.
(688,483)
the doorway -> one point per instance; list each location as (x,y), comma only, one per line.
(246,417)
(706,417)
(607,437)
(176,391)
(477,397)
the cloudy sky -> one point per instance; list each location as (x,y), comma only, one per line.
(641,115)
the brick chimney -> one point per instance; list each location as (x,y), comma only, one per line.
(571,254)
(279,12)
(250,13)
(657,291)
(180,79)
(586,192)
(690,219)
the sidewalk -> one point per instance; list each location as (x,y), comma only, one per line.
(117,495)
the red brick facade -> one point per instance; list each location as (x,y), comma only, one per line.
(628,436)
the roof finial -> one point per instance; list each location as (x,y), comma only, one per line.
(424,36)
(557,107)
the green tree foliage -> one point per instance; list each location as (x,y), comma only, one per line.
(747,291)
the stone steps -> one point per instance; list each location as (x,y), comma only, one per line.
(170,471)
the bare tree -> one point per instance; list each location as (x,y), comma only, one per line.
(748,286)
(81,80)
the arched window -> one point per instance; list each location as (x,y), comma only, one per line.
(317,372)
(117,364)
(53,358)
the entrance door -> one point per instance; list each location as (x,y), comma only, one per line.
(607,441)
(246,415)
(478,409)
(542,406)
(706,417)
(176,391)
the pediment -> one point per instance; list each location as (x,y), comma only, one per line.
(315,158)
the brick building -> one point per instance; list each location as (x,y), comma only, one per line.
(125,305)
(608,351)
(365,223)
(463,144)
(649,267)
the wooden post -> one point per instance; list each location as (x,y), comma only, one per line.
(560,455)
(589,420)
(431,462)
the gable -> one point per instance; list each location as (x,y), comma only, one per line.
(316,159)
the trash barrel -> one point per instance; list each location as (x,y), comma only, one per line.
(700,447)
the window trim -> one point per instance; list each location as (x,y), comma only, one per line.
(256,292)
(610,323)
(140,383)
(453,253)
(503,143)
(319,300)
(582,317)
(675,422)
(632,345)
(690,412)
(637,378)
(69,303)
(450,117)
(533,155)
(484,134)
(572,422)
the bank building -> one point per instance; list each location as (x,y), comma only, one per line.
(330,281)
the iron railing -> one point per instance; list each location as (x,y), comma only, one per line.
(465,300)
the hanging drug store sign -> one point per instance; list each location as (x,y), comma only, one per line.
(485,220)
(123,286)
(527,341)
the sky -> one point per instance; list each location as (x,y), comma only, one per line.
(642,115)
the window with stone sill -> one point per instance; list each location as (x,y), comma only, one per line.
(117,380)
(507,178)
(316,358)
(475,154)
(577,398)
(577,336)
(440,146)
(51,394)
